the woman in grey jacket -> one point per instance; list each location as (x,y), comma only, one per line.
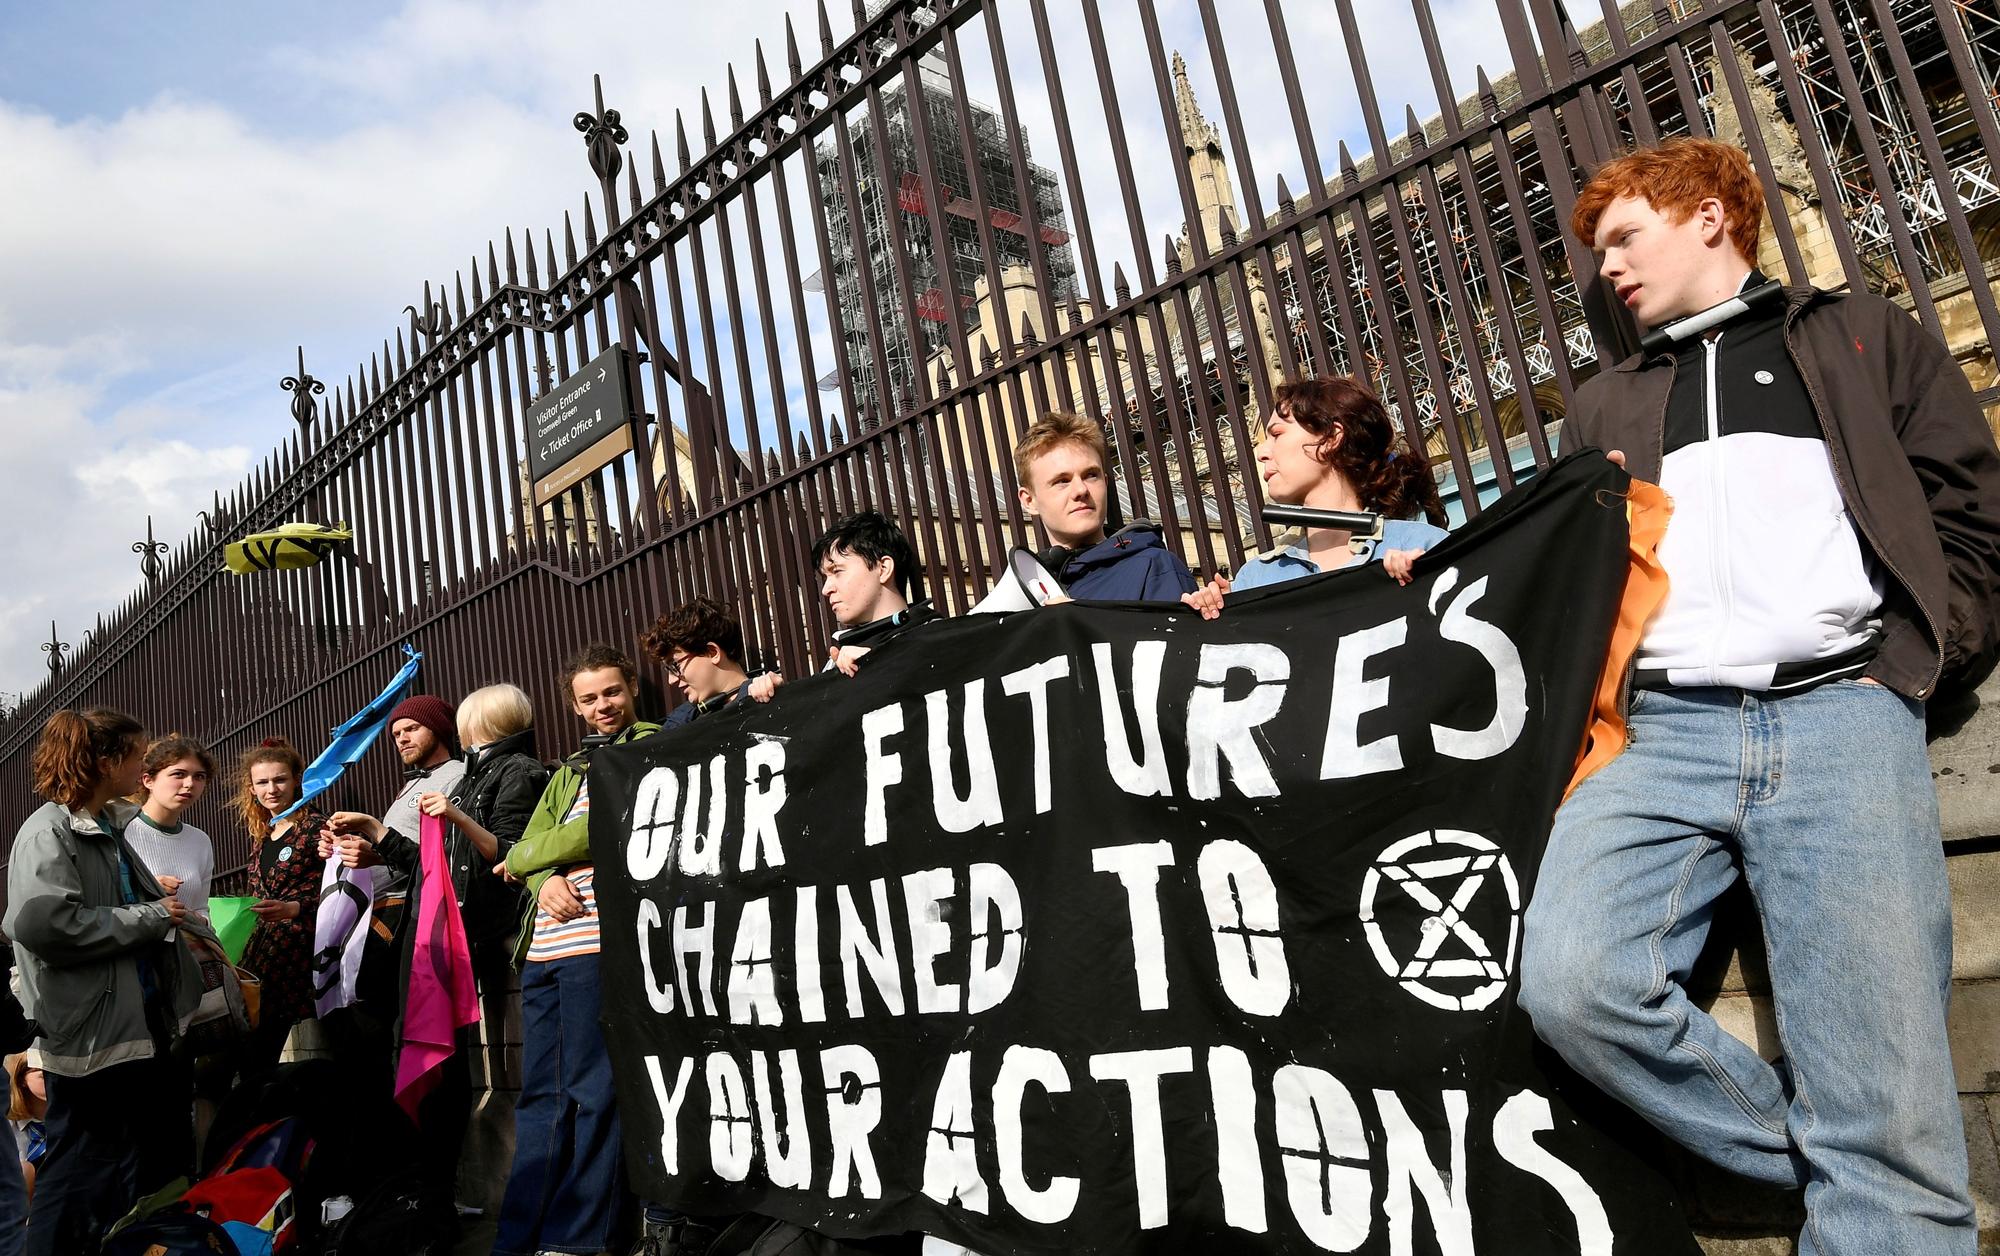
(107,980)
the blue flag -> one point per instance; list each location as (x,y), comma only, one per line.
(352,739)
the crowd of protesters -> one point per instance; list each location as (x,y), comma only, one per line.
(1835,558)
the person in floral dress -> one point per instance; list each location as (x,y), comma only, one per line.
(285,873)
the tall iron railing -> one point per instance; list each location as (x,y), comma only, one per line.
(820,238)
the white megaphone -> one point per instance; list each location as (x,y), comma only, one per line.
(1022,585)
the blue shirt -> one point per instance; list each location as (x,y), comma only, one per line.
(1292,562)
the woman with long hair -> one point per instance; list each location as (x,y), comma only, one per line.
(285,872)
(1329,443)
(181,856)
(104,975)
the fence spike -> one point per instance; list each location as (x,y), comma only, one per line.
(805,451)
(707,124)
(534,264)
(792,50)
(632,184)
(825,32)
(860,14)
(1489,100)
(375,369)
(987,358)
(763,78)
(1418,142)
(1173,257)
(458,282)
(771,468)
(1285,200)
(659,167)
(943,376)
(833,435)
(735,103)
(589,227)
(478,294)
(402,360)
(569,240)
(353,406)
(513,266)
(549,243)
(492,267)
(1029,339)
(681,140)
(1121,287)
(1349,176)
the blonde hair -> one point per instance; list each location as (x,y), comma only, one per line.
(1059,427)
(497,711)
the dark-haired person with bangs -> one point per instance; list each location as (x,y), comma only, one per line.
(872,582)
(567,1185)
(106,979)
(180,856)
(1329,443)
(1834,565)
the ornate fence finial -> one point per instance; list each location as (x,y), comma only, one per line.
(603,132)
(149,552)
(303,388)
(54,649)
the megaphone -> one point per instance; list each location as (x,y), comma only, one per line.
(1022,585)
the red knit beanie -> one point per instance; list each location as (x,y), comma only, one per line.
(430,711)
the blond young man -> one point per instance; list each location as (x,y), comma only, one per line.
(1061,465)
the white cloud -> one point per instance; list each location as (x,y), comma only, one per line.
(166,261)
(154,284)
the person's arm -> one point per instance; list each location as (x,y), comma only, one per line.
(47,913)
(514,805)
(547,842)
(398,850)
(1944,434)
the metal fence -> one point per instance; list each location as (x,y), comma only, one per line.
(860,291)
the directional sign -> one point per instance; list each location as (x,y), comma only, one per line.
(583,423)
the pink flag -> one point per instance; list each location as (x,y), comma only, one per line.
(441,997)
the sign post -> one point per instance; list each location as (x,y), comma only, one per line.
(583,423)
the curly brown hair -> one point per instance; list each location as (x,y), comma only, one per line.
(596,657)
(270,750)
(63,768)
(691,626)
(1388,478)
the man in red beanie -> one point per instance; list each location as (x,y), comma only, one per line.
(426,736)
(425,732)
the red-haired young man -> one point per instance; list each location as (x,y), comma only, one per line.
(1833,561)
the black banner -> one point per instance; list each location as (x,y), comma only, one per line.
(1099,928)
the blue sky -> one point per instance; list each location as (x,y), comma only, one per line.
(195,189)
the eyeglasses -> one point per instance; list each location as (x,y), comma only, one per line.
(678,662)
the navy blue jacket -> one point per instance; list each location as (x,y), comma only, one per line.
(1131,565)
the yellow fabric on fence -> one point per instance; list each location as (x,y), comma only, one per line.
(284,547)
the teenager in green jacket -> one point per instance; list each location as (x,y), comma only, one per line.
(568,1109)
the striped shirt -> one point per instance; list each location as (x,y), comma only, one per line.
(554,940)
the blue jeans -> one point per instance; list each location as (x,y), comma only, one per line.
(1823,802)
(566,1188)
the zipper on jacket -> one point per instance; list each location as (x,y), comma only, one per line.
(1850,498)
(1718,546)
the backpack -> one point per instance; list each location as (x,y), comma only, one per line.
(172,1233)
(255,1184)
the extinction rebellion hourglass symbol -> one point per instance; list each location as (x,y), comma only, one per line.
(1460,953)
